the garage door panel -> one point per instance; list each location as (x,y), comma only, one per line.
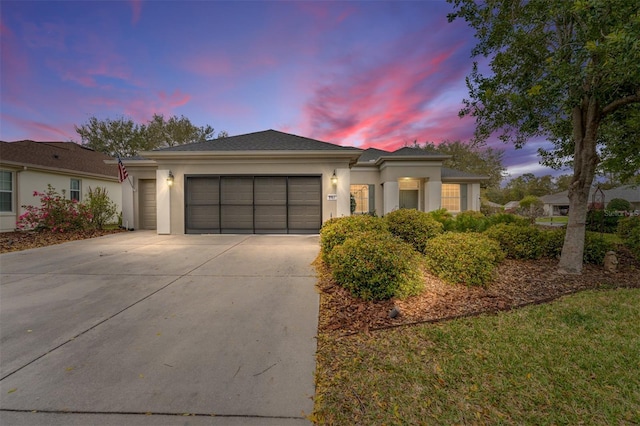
(203,217)
(237,219)
(271,219)
(236,190)
(304,218)
(203,191)
(270,191)
(304,190)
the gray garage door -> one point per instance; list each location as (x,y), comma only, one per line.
(147,203)
(253,204)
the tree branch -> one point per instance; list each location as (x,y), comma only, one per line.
(620,103)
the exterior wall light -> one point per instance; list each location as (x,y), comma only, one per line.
(334,178)
(170,179)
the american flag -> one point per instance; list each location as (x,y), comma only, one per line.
(122,171)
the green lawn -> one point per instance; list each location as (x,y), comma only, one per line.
(554,219)
(574,361)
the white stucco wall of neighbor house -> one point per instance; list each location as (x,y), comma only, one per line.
(27,181)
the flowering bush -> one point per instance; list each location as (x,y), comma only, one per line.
(56,213)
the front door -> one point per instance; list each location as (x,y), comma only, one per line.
(409,199)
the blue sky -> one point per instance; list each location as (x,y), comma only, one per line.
(367,74)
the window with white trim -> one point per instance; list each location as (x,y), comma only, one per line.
(6,191)
(450,197)
(74,191)
(363,198)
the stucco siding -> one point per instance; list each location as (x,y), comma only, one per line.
(26,182)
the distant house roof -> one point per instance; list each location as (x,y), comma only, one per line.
(626,192)
(57,156)
(267,140)
(512,205)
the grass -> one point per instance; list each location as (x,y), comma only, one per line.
(554,219)
(574,361)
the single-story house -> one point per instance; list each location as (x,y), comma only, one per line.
(275,182)
(558,204)
(28,166)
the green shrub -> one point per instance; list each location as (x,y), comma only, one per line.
(377,266)
(626,226)
(518,242)
(335,231)
(466,258)
(531,207)
(595,247)
(442,215)
(413,226)
(619,205)
(469,221)
(552,242)
(633,242)
(602,221)
(506,218)
(100,207)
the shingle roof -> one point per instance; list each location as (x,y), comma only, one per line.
(267,140)
(453,174)
(371,155)
(67,156)
(626,192)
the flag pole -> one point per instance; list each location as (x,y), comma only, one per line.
(122,172)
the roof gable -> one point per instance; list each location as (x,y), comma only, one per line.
(267,140)
(64,156)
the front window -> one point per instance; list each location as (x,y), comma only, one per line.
(359,199)
(451,197)
(74,192)
(6,191)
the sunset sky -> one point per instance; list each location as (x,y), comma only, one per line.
(366,74)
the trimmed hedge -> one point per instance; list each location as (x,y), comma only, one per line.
(633,242)
(595,246)
(507,218)
(602,221)
(626,225)
(469,221)
(466,258)
(335,231)
(413,226)
(377,266)
(518,242)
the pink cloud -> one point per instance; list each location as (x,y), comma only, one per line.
(14,67)
(389,103)
(40,131)
(136,10)
(207,65)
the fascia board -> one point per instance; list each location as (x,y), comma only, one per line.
(67,172)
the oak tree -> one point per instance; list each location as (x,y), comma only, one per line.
(565,71)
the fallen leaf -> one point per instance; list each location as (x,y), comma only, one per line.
(12,390)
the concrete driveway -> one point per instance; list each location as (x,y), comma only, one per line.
(139,328)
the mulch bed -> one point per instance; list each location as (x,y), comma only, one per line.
(518,283)
(23,240)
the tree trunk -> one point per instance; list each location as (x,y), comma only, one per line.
(585,120)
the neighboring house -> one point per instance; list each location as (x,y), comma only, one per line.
(28,166)
(511,206)
(558,204)
(275,182)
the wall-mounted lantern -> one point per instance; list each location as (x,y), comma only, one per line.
(170,179)
(334,178)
